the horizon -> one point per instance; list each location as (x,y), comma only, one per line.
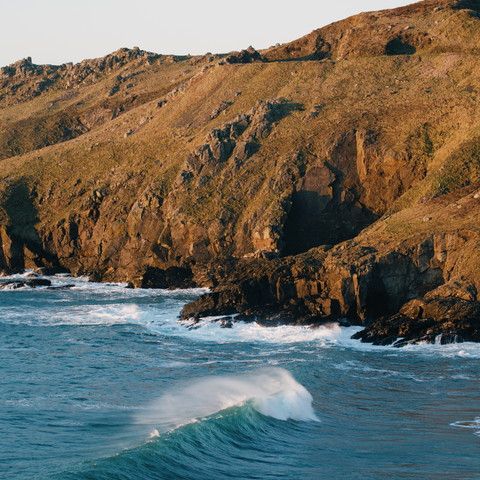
(103,27)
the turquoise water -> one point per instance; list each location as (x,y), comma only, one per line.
(102,382)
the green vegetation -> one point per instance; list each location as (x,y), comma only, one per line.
(38,132)
(462,167)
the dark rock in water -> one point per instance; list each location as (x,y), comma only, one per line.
(12,284)
(435,320)
(152,277)
(226,322)
(360,284)
(36,282)
(39,282)
(62,287)
(343,322)
(205,306)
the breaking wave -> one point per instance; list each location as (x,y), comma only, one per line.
(273,392)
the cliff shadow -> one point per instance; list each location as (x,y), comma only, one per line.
(323,212)
(398,47)
(316,219)
(287,108)
(21,218)
(468,4)
(304,229)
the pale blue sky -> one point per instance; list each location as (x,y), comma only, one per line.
(58,31)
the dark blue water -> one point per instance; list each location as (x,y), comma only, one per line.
(102,382)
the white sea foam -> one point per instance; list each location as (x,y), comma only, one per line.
(330,335)
(467,350)
(271,391)
(93,304)
(209,329)
(475,424)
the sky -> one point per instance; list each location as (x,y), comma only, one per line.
(60,31)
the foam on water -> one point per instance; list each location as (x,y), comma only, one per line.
(83,283)
(92,304)
(87,303)
(209,329)
(359,369)
(271,391)
(467,350)
(475,424)
(88,394)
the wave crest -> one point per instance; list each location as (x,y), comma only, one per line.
(272,392)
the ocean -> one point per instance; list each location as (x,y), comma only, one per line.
(102,382)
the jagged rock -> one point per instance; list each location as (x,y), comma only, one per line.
(221,108)
(456,288)
(431,321)
(262,117)
(357,283)
(39,282)
(210,159)
(250,55)
(36,282)
(73,75)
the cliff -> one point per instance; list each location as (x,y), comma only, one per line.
(293,181)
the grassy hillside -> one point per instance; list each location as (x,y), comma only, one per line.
(371,115)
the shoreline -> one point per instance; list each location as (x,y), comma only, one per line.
(397,330)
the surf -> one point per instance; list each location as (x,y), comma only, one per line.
(271,391)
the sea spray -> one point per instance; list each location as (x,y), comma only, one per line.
(81,364)
(270,391)
(209,329)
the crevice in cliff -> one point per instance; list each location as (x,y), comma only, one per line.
(20,243)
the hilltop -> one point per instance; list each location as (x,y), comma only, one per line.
(336,176)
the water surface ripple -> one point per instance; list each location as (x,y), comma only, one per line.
(102,382)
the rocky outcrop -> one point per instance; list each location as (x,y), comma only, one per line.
(25,68)
(386,32)
(171,278)
(411,291)
(434,320)
(285,295)
(250,55)
(36,282)
(25,74)
(347,191)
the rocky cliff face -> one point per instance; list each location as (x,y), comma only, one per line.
(293,181)
(394,32)
(419,287)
